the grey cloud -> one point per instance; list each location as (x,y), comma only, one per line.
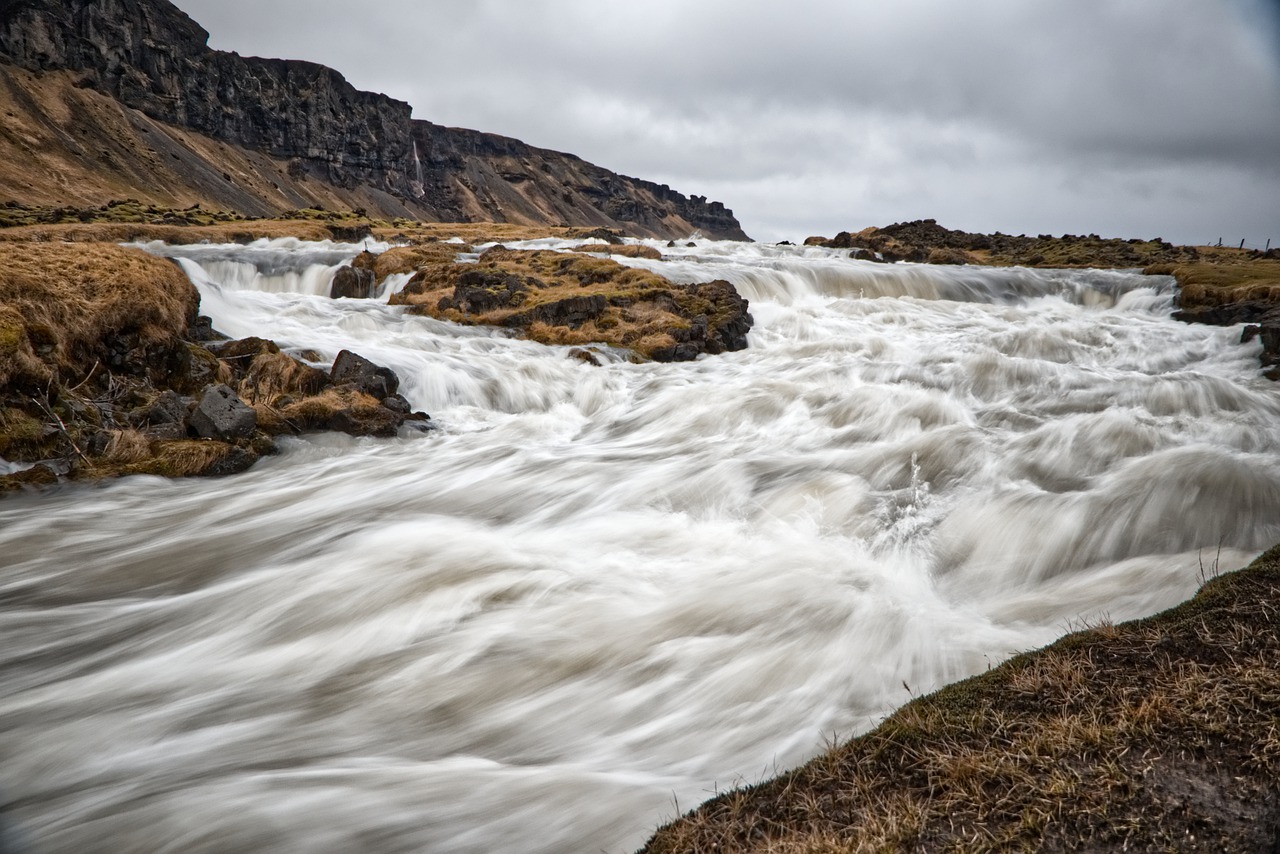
(1134,118)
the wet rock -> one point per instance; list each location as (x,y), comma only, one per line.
(398,404)
(374,380)
(605,234)
(189,368)
(865,255)
(584,355)
(378,422)
(478,291)
(684,352)
(236,461)
(815,240)
(1230,314)
(166,432)
(353,283)
(571,312)
(202,330)
(729,320)
(168,408)
(843,240)
(351,233)
(221,414)
(949,256)
(243,351)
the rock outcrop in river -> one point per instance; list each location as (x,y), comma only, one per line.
(265,135)
(106,368)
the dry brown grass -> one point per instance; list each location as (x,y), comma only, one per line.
(127,446)
(332,409)
(409,259)
(642,308)
(122,232)
(1157,735)
(273,375)
(58,303)
(626,250)
(1221,282)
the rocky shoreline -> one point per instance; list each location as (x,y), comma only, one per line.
(107,369)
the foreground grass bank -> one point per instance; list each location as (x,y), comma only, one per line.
(1162,734)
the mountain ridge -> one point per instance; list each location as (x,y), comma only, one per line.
(315,126)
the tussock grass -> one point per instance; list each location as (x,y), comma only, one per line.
(1216,283)
(641,308)
(58,303)
(409,259)
(127,446)
(1156,735)
(273,375)
(625,250)
(332,409)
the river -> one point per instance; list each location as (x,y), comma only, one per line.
(597,595)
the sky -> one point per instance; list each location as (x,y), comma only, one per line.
(1124,118)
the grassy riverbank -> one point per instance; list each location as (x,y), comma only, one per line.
(1161,734)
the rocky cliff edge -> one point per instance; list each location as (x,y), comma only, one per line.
(305,130)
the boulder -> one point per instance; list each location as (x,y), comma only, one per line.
(478,291)
(816,240)
(169,408)
(353,283)
(374,380)
(243,350)
(221,414)
(571,312)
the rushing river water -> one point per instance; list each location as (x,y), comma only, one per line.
(598,594)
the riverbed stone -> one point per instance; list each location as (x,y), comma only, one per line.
(354,369)
(353,283)
(221,414)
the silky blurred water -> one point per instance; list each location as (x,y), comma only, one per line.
(598,595)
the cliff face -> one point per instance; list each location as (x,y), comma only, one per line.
(151,57)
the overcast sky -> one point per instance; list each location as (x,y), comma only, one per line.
(1128,118)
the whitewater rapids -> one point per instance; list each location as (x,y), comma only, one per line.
(597,595)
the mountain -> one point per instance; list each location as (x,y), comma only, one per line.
(111,98)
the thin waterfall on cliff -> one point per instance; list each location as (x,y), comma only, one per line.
(598,591)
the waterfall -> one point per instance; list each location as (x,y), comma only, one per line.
(599,588)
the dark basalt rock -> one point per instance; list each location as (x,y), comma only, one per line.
(375,380)
(221,414)
(1264,320)
(723,330)
(571,312)
(353,283)
(479,291)
(241,352)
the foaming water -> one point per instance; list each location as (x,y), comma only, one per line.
(597,592)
